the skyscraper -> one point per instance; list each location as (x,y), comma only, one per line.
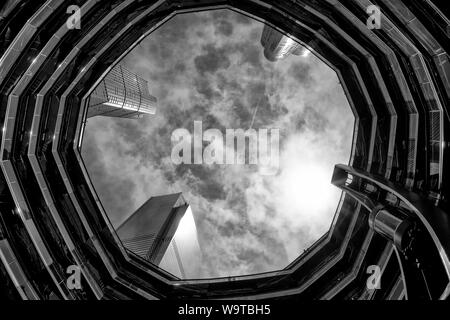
(277,46)
(163,231)
(121,94)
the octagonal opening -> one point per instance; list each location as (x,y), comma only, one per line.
(162,146)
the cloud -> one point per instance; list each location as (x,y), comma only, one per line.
(209,66)
(224,27)
(301,71)
(212,60)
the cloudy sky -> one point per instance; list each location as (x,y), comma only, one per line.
(210,67)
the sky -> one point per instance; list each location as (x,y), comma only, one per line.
(209,67)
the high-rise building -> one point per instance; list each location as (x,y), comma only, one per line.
(163,231)
(121,94)
(278,46)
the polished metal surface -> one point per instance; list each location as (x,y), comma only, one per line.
(396,79)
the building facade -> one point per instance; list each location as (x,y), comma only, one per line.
(163,231)
(121,94)
(278,46)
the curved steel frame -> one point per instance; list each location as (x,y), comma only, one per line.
(45,80)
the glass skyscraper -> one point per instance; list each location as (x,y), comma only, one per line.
(163,231)
(121,94)
(277,46)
